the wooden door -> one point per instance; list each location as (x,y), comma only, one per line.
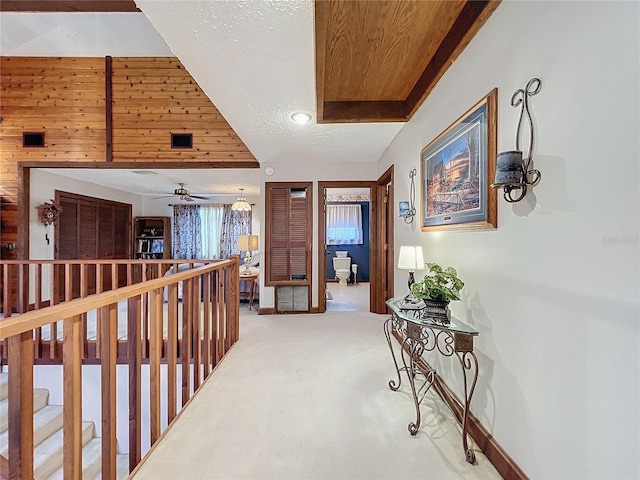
(89,229)
(383,256)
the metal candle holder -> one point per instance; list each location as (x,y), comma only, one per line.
(513,170)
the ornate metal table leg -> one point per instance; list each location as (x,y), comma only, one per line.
(413,427)
(468,362)
(388,327)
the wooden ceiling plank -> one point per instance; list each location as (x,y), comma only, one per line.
(378,50)
(472,17)
(378,61)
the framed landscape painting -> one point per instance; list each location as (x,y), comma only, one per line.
(456,169)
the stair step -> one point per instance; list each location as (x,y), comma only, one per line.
(122,467)
(4,385)
(91,461)
(40,397)
(47,456)
(45,422)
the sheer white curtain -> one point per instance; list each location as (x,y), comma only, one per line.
(344,225)
(210,230)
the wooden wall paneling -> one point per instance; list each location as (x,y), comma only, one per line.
(148,94)
(66,99)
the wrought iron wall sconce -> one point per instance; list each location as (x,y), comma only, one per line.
(408,209)
(513,172)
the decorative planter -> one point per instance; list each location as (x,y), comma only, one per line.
(436,309)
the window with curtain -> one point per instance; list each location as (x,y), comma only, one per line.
(208,231)
(211,217)
(344,225)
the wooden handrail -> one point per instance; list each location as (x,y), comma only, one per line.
(210,295)
(38,318)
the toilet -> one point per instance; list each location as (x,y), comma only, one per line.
(342,266)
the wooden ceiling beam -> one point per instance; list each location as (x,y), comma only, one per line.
(350,86)
(358,112)
(472,17)
(42,6)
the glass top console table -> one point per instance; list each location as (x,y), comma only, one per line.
(418,334)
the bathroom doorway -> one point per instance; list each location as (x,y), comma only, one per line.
(345,227)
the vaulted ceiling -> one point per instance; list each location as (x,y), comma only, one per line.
(361,68)
(376,61)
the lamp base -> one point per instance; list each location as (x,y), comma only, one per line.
(247,261)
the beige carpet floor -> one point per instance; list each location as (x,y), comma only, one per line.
(306,397)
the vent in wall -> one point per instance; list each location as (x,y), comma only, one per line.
(31,139)
(181,140)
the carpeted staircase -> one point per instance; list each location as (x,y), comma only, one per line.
(47,423)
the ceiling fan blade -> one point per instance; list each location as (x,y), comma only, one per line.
(188,198)
(200,197)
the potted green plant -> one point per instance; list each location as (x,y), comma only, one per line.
(437,289)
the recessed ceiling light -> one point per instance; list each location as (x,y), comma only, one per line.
(301,117)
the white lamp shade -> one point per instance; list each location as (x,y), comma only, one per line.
(248,242)
(411,258)
(241,205)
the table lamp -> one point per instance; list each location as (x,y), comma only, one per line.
(412,259)
(247,243)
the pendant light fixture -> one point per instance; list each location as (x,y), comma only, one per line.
(241,204)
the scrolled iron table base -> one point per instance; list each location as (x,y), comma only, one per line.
(418,337)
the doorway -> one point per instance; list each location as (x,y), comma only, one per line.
(380,249)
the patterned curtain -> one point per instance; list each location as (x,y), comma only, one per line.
(186,231)
(233,224)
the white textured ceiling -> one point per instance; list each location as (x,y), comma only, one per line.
(219,181)
(255,59)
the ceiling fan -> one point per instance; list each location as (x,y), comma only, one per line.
(184,194)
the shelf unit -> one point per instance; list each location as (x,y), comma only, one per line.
(152,237)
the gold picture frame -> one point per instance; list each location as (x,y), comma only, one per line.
(456,169)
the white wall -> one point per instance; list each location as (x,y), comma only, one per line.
(310,172)
(554,290)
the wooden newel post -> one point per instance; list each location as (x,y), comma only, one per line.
(21,406)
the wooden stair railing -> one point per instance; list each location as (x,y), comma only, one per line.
(209,324)
(41,283)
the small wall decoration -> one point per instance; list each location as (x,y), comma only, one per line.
(49,212)
(456,170)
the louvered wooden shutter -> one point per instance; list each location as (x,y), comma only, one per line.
(288,233)
(298,238)
(279,234)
